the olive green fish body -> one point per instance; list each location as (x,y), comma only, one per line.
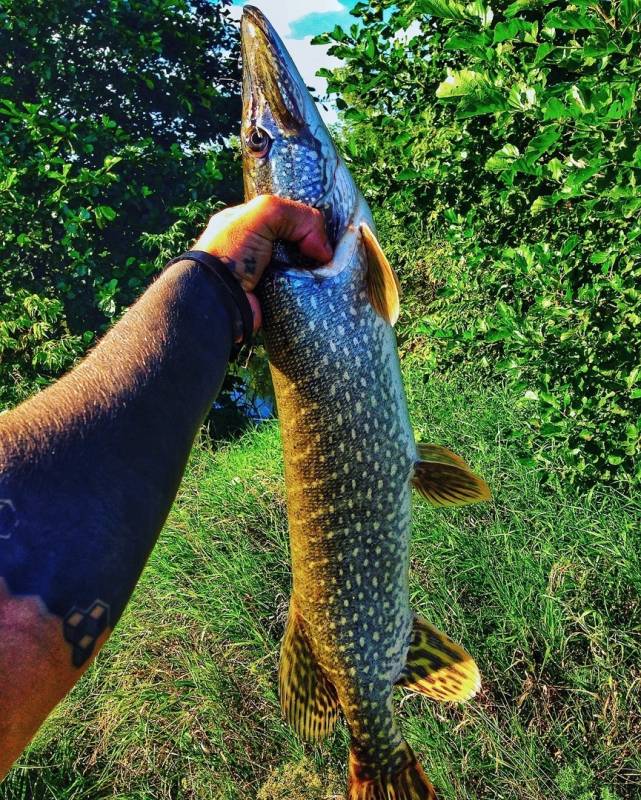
(349,457)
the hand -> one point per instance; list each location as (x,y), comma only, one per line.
(242,236)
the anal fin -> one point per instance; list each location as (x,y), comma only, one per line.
(444,479)
(308,698)
(438,667)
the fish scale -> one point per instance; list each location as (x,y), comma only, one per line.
(349,450)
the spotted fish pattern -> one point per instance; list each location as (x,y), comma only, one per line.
(350,454)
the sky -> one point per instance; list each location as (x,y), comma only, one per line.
(297,21)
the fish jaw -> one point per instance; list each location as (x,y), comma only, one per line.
(286,148)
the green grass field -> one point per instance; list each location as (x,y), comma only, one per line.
(543,586)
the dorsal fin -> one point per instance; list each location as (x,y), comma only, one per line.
(382,284)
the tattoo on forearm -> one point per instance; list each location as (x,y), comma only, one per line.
(8,519)
(86,485)
(82,627)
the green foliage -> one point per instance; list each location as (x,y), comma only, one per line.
(512,131)
(35,344)
(114,120)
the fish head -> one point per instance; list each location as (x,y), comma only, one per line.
(286,148)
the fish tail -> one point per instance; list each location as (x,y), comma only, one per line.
(404,779)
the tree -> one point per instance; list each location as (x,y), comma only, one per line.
(115,124)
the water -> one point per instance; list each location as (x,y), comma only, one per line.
(245,400)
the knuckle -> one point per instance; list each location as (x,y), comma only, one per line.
(263,202)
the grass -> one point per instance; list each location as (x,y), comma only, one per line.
(543,586)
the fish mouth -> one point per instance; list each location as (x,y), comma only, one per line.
(271,83)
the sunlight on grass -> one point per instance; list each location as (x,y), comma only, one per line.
(542,586)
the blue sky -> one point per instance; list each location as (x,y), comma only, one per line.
(318,21)
(296,22)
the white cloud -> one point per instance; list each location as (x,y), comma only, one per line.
(308,57)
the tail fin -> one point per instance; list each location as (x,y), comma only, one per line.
(407,783)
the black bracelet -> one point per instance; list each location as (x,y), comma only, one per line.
(239,305)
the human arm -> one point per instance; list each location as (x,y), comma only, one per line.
(89,467)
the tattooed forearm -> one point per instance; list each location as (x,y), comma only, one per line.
(89,467)
(88,471)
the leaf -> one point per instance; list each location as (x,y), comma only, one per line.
(569,244)
(475,105)
(466,40)
(522,5)
(110,162)
(541,143)
(554,109)
(569,20)
(550,429)
(105,212)
(461,83)
(447,9)
(522,97)
(549,399)
(504,31)
(408,175)
(627,10)
(482,11)
(555,168)
(498,335)
(576,179)
(623,105)
(370,47)
(542,203)
(503,158)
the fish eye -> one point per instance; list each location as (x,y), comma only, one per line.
(258,141)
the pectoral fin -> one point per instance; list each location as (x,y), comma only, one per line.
(444,479)
(382,284)
(438,667)
(308,699)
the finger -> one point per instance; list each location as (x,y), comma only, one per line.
(295,222)
(257,314)
(255,305)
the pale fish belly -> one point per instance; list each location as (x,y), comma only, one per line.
(349,454)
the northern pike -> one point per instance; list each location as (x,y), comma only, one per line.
(350,453)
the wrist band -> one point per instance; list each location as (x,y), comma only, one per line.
(239,305)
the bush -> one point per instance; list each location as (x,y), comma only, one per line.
(511,132)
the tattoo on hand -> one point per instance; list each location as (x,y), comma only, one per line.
(250,265)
